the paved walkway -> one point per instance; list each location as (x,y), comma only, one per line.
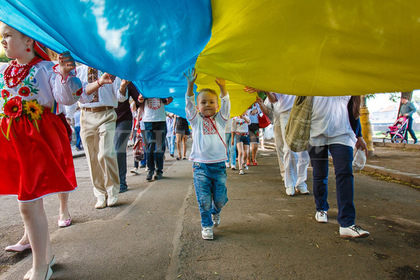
(154,231)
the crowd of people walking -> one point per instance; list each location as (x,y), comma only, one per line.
(111,110)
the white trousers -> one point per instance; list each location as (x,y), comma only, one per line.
(295,164)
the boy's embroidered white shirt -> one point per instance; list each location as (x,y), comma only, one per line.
(208,133)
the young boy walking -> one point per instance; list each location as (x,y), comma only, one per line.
(208,150)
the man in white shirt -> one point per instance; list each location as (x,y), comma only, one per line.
(295,164)
(97,123)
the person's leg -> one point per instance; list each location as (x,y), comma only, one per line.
(160,130)
(254,150)
(78,139)
(245,153)
(278,140)
(319,161)
(410,130)
(228,141)
(342,160)
(202,185)
(144,161)
(241,156)
(89,125)
(302,172)
(233,152)
(64,206)
(107,156)
(219,190)
(36,226)
(178,144)
(122,133)
(184,146)
(150,146)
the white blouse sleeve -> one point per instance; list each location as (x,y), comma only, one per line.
(67,91)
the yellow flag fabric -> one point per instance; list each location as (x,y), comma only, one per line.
(309,47)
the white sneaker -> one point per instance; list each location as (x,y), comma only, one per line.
(233,167)
(246,167)
(100,203)
(290,191)
(207,233)
(321,216)
(302,189)
(227,164)
(135,171)
(241,172)
(216,219)
(112,200)
(353,231)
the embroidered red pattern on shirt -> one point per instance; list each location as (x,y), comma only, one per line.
(208,128)
(154,103)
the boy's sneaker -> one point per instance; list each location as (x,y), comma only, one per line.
(353,231)
(241,172)
(233,167)
(321,217)
(227,164)
(303,189)
(207,233)
(149,176)
(216,219)
(290,191)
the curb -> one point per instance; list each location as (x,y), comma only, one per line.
(411,178)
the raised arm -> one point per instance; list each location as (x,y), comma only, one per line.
(191,76)
(222,85)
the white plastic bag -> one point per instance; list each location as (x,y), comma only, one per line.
(359,160)
(268,132)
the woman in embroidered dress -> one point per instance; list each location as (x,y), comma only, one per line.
(35,157)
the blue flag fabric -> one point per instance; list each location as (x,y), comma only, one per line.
(149,42)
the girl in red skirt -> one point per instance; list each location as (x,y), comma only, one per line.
(35,157)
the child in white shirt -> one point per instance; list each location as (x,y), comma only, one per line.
(209,150)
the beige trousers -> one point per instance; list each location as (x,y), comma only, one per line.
(97,130)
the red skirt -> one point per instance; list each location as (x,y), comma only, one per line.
(35,163)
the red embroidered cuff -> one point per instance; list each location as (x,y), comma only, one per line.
(57,71)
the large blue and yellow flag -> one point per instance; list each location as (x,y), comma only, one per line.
(294,47)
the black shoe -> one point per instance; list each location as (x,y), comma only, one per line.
(158,175)
(415,141)
(123,188)
(149,176)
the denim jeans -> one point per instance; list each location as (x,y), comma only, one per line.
(171,143)
(155,147)
(122,133)
(231,149)
(78,139)
(410,130)
(210,189)
(342,160)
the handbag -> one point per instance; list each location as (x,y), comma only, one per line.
(298,126)
(263,120)
(138,148)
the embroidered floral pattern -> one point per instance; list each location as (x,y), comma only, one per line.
(33,110)
(13,107)
(5,93)
(24,91)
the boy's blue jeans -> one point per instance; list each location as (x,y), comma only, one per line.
(342,160)
(210,189)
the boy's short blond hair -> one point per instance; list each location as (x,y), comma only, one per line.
(209,90)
